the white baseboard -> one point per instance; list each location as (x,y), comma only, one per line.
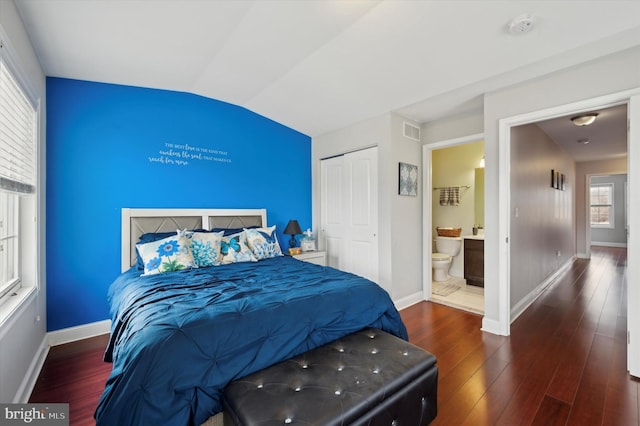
(493,327)
(29,381)
(79,332)
(55,338)
(606,244)
(526,301)
(407,301)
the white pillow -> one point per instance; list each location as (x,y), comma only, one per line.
(263,242)
(233,248)
(205,247)
(167,255)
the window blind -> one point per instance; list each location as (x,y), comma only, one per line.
(17,135)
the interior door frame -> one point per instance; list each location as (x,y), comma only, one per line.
(632,99)
(427,199)
(633,238)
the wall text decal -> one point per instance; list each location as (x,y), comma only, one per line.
(183,155)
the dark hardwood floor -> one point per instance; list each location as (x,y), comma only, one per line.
(564,363)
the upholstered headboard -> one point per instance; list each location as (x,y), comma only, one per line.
(136,222)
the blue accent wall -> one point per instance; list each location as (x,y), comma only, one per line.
(112,146)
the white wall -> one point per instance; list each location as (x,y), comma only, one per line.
(406,215)
(373,132)
(603,76)
(399,217)
(22,336)
(607,75)
(471,123)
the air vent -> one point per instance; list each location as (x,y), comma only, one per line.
(412,132)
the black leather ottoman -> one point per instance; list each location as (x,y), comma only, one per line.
(367,378)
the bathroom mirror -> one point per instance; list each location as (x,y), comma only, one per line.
(479,197)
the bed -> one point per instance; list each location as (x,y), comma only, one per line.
(178,338)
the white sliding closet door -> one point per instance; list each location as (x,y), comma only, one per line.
(349,210)
(332,201)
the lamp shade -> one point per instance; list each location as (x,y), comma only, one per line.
(293,228)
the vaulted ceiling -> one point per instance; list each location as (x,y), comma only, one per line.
(318,66)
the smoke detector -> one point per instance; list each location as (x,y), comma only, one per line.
(521,24)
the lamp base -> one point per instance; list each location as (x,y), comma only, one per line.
(293,242)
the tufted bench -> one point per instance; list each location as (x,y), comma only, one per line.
(366,378)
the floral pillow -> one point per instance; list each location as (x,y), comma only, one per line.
(233,248)
(205,247)
(147,238)
(167,255)
(263,242)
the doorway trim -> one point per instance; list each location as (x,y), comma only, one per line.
(427,199)
(504,143)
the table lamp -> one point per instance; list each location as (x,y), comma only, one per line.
(293,229)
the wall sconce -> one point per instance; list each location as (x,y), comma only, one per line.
(482,163)
(584,120)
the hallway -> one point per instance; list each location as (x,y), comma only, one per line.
(564,363)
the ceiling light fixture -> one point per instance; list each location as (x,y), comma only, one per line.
(585,119)
(583,141)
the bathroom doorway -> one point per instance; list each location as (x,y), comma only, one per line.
(454,198)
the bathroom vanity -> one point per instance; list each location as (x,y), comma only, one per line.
(474,260)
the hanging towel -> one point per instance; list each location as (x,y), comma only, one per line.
(450,196)
(444,196)
(454,196)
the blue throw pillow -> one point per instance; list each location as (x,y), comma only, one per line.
(234,249)
(205,247)
(168,254)
(149,238)
(263,242)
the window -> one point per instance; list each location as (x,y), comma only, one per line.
(8,243)
(602,214)
(18,141)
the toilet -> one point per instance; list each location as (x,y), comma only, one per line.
(446,249)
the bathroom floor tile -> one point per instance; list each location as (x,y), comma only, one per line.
(469,298)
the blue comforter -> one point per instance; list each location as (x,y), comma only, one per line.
(178,338)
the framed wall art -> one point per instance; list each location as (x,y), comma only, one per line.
(558,180)
(408,179)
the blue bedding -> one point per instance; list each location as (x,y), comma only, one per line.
(178,338)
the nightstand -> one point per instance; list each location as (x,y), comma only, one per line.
(317,257)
